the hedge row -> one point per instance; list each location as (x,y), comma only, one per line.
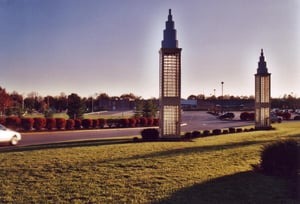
(63,124)
(205,133)
(251,116)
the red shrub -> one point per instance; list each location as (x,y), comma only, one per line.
(61,123)
(124,122)
(2,121)
(150,121)
(144,121)
(70,124)
(27,123)
(77,124)
(86,123)
(39,123)
(156,122)
(110,122)
(50,123)
(138,121)
(95,123)
(102,122)
(132,122)
(13,122)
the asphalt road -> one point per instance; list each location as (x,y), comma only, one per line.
(191,121)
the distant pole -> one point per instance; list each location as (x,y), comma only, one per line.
(92,104)
(214,92)
(222,84)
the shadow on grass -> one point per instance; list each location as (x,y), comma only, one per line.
(85,143)
(245,187)
(200,149)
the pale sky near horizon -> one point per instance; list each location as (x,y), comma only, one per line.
(95,46)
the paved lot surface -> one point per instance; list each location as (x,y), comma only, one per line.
(191,121)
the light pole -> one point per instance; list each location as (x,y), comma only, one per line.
(222,84)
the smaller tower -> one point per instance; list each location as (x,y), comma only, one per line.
(170,83)
(262,95)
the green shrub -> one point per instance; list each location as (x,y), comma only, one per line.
(150,134)
(280,158)
(231,130)
(225,132)
(196,134)
(216,132)
(188,136)
(239,130)
(206,133)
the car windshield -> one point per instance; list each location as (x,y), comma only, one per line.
(2,127)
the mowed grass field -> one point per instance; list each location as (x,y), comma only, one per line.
(215,169)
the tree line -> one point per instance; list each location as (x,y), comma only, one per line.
(75,106)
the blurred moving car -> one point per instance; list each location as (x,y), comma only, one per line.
(7,135)
(227,116)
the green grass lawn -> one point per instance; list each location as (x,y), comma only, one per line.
(214,169)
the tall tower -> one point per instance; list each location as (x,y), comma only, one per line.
(262,95)
(170,83)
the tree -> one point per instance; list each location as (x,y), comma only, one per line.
(5,101)
(76,106)
(150,109)
(18,104)
(103,101)
(61,103)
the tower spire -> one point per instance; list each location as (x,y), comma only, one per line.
(170,39)
(262,64)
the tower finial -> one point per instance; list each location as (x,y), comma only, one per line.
(170,12)
(262,65)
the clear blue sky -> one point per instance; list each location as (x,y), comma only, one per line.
(95,46)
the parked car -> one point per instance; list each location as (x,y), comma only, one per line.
(226,116)
(275,118)
(10,136)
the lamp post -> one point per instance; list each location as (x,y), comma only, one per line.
(222,84)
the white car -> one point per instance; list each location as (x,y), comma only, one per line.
(7,135)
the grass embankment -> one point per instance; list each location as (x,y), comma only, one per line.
(214,169)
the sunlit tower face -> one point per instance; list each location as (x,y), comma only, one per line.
(170,82)
(262,95)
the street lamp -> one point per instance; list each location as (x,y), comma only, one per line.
(222,84)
